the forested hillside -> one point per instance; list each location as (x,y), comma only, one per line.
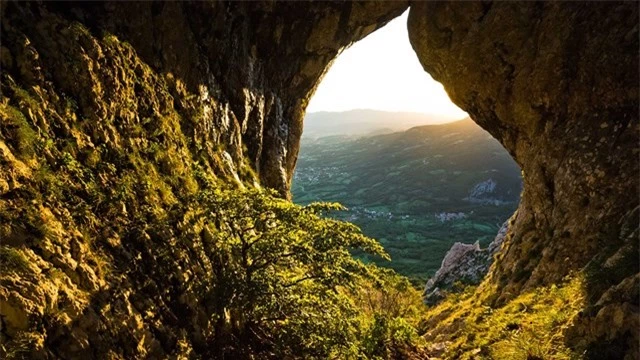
(417,191)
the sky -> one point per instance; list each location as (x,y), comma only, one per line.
(382,72)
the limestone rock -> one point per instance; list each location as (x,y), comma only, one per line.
(112,115)
(557,85)
(465,264)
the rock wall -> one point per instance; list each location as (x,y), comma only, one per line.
(113,117)
(257,62)
(557,85)
(463,265)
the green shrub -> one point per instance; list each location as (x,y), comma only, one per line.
(284,281)
(391,338)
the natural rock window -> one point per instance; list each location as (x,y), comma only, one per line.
(116,118)
(382,137)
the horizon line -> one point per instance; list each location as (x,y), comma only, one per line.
(380,110)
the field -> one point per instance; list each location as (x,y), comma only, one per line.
(416,191)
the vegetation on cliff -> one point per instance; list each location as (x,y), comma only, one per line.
(128,235)
(262,276)
(532,326)
(283,283)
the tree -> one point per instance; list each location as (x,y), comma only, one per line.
(281,276)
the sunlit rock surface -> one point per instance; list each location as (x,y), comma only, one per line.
(112,114)
(557,85)
(464,264)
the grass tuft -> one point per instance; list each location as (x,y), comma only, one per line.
(12,259)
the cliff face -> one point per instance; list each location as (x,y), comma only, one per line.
(227,58)
(114,114)
(557,85)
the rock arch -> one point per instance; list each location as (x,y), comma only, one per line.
(555,83)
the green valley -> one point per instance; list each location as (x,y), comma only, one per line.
(417,191)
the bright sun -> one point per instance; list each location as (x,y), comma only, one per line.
(382,72)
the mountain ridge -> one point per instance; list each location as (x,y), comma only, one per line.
(360,122)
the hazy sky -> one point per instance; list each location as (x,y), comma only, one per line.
(382,72)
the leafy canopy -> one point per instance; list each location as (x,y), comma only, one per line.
(284,282)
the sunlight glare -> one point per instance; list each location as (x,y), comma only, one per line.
(382,72)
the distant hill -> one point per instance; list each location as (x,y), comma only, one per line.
(418,191)
(363,122)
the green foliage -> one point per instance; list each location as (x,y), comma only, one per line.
(531,326)
(539,332)
(284,282)
(140,204)
(394,184)
(246,172)
(51,185)
(70,164)
(390,338)
(392,310)
(18,131)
